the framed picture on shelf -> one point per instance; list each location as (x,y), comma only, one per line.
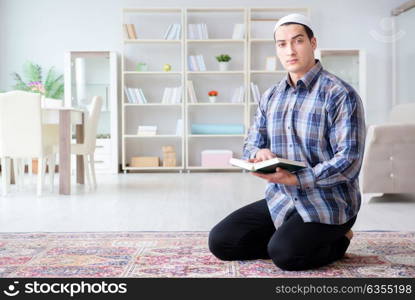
(271,63)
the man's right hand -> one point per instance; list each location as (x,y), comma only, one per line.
(264,154)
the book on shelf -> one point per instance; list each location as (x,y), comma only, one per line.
(196,63)
(191,92)
(198,32)
(238,31)
(147,130)
(173,32)
(255,92)
(268,166)
(135,95)
(172,95)
(126,34)
(238,95)
(130,31)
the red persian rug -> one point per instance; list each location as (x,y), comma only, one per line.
(184,254)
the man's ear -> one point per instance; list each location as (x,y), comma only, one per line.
(313,42)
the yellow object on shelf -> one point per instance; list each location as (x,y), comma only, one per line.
(145,161)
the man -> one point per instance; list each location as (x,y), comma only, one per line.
(312,116)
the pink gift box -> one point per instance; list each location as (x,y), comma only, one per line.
(216,158)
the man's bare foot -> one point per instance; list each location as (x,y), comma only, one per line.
(349,234)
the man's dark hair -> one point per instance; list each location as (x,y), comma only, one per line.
(307,29)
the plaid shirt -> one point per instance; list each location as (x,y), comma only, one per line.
(320,122)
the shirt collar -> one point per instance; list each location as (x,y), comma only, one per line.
(307,80)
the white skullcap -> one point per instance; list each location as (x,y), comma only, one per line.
(295,18)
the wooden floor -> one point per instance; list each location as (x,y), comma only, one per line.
(165,202)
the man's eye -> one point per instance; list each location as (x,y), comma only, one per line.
(281,45)
(299,41)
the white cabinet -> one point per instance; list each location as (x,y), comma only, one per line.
(89,74)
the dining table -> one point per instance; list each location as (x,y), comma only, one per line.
(65,118)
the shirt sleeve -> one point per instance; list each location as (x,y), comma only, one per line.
(257,137)
(346,132)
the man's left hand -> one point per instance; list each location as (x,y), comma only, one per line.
(281,176)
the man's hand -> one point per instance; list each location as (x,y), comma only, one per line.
(280,176)
(264,154)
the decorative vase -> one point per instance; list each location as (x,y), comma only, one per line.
(223,65)
(212,99)
(141,67)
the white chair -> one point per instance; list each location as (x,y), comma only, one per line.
(389,161)
(22,137)
(87,149)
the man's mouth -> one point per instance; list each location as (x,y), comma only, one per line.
(292,61)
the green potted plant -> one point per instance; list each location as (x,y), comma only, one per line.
(51,89)
(223,60)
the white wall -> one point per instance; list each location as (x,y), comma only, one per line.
(42,30)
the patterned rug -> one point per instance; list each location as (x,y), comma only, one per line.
(184,254)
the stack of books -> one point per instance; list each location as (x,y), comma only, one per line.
(255,92)
(238,31)
(147,130)
(135,95)
(130,32)
(191,92)
(172,95)
(238,95)
(196,63)
(173,32)
(198,32)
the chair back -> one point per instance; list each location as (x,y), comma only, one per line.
(20,124)
(92,124)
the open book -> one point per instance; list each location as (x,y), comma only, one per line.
(268,166)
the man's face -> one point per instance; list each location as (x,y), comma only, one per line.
(294,49)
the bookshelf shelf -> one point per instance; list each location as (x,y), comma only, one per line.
(138,41)
(216,41)
(215,72)
(216,104)
(261,41)
(153,168)
(153,104)
(157,136)
(214,135)
(151,73)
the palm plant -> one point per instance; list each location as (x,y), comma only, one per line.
(52,87)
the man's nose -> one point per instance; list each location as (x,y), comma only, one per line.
(290,49)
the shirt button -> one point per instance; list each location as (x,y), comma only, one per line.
(291,146)
(295,199)
(289,127)
(392,175)
(391,158)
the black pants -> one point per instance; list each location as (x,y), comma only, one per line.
(249,233)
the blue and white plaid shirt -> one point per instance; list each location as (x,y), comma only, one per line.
(320,122)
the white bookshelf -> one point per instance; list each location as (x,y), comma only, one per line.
(348,64)
(151,47)
(247,64)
